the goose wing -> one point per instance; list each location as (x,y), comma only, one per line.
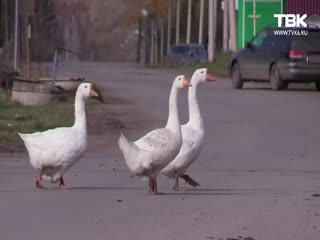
(155,140)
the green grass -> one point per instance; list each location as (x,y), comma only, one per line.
(28,119)
(218,67)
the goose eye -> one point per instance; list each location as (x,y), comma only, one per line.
(201,72)
(179,78)
(86,86)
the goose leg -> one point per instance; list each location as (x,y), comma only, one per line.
(151,186)
(156,187)
(63,186)
(39,178)
(176,186)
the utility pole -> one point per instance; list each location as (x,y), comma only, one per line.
(212,29)
(15,63)
(226,25)
(178,22)
(232,20)
(200,39)
(189,21)
(169,26)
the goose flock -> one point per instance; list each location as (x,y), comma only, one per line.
(168,151)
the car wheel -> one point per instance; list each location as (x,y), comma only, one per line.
(237,81)
(275,79)
(317,85)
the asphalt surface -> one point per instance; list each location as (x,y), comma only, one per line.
(259,170)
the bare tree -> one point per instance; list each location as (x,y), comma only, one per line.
(178,22)
(189,21)
(226,26)
(169,26)
(212,29)
(200,39)
(232,19)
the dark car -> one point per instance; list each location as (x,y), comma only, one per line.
(188,53)
(279,55)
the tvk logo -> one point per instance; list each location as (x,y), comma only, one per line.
(291,20)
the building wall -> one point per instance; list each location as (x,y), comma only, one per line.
(310,7)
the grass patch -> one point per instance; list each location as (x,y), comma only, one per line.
(28,119)
(220,66)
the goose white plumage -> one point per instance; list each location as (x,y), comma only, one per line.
(54,151)
(148,155)
(192,135)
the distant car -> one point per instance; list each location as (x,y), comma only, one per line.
(280,59)
(188,53)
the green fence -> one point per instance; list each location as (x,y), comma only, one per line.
(254,15)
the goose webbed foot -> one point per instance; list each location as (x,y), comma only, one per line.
(176,186)
(63,186)
(189,180)
(153,187)
(39,178)
(38,182)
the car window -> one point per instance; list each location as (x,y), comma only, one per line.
(309,42)
(258,39)
(273,41)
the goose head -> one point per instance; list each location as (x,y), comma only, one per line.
(86,90)
(202,75)
(181,82)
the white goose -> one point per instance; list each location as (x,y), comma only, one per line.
(54,151)
(192,135)
(148,155)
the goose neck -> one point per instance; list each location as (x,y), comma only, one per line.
(173,122)
(80,114)
(194,110)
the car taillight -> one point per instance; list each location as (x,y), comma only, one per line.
(294,53)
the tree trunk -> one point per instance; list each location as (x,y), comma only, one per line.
(155,44)
(226,26)
(152,42)
(212,29)
(232,20)
(169,26)
(178,22)
(200,39)
(16,25)
(161,39)
(189,21)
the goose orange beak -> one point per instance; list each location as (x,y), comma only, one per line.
(93,93)
(210,77)
(186,83)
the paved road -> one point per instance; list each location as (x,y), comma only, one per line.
(258,171)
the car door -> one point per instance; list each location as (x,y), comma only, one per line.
(252,58)
(267,55)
